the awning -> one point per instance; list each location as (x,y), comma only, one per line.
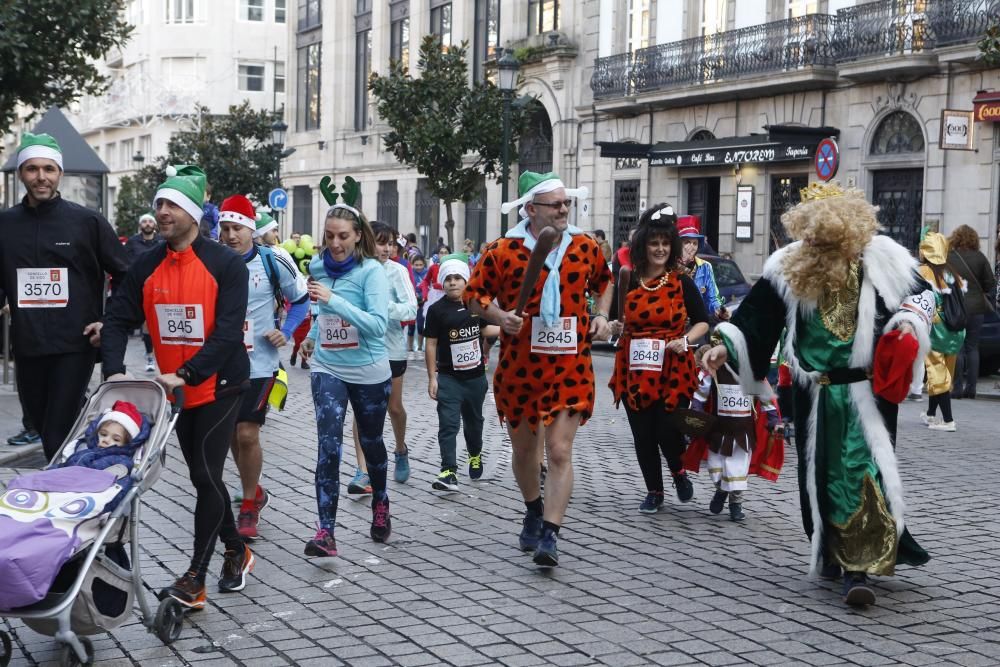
(781,143)
(78,156)
(616,149)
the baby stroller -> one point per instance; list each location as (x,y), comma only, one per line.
(99,578)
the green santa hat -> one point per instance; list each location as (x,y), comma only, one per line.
(185,186)
(532,183)
(39,145)
(147,216)
(265,223)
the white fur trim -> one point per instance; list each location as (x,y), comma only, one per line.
(238,218)
(121,418)
(265,229)
(540,189)
(39,151)
(182,200)
(816,539)
(749,385)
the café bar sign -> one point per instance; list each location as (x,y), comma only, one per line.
(710,157)
(987,107)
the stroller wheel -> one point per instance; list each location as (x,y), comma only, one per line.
(69,658)
(6,649)
(169,620)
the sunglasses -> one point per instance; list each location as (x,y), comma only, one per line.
(568,203)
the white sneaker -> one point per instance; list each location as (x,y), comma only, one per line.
(943,426)
(150,365)
(928,420)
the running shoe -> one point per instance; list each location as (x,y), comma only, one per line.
(246,524)
(235,566)
(361,484)
(718,501)
(531,531)
(261,498)
(150,364)
(943,426)
(685,491)
(189,590)
(652,503)
(446,481)
(928,420)
(475,466)
(322,545)
(381,523)
(857,591)
(546,554)
(736,512)
(401,472)
(27,436)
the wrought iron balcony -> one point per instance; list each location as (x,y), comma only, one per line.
(883,28)
(962,21)
(778,46)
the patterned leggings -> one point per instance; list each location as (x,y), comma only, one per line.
(370,401)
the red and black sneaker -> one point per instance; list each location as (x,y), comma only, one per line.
(246,522)
(189,590)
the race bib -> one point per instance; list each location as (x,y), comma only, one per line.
(337,334)
(42,288)
(466,356)
(646,354)
(248,335)
(733,402)
(181,324)
(560,338)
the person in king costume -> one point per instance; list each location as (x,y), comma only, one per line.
(849,302)
(544,382)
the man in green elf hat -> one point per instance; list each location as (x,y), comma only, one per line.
(193,294)
(53,263)
(544,383)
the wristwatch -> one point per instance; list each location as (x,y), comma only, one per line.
(183,374)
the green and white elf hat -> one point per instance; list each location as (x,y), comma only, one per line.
(38,145)
(532,183)
(265,223)
(147,216)
(185,186)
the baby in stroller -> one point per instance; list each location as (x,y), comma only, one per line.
(45,516)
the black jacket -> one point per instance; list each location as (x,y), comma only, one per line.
(978,275)
(136,245)
(58,234)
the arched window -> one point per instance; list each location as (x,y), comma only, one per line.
(897,134)
(535,151)
(702,135)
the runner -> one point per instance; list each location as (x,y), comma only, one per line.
(52,263)
(544,382)
(193,293)
(350,364)
(272,279)
(654,368)
(138,243)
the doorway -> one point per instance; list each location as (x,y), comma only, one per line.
(626,210)
(899,194)
(703,201)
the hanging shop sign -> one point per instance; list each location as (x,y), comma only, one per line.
(744,213)
(986,107)
(957,130)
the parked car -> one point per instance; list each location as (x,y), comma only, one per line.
(989,345)
(733,286)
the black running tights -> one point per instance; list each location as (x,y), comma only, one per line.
(205,433)
(653,433)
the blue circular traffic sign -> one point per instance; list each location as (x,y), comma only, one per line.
(277,199)
(827,159)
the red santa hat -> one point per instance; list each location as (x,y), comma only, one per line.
(893,368)
(239,209)
(126,414)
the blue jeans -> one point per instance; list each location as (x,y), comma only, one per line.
(460,403)
(330,396)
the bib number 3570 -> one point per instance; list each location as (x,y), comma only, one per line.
(560,338)
(42,288)
(181,324)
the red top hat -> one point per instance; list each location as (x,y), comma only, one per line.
(689,226)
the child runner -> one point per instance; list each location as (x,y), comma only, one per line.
(458,380)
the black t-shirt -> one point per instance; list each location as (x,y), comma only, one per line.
(457,332)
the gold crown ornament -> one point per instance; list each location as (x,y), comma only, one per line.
(816,191)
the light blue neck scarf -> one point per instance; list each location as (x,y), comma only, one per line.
(550,307)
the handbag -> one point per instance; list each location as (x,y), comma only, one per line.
(986,299)
(953,312)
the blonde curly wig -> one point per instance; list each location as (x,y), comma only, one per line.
(834,231)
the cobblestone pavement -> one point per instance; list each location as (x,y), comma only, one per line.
(682,587)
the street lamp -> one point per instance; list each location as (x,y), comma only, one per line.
(139,159)
(278,130)
(507,67)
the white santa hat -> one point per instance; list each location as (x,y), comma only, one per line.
(453,267)
(126,414)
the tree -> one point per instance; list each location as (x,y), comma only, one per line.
(449,131)
(48,49)
(234,150)
(135,196)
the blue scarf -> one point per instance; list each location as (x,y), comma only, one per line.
(336,269)
(551,305)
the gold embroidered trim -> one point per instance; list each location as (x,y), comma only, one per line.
(839,309)
(867,541)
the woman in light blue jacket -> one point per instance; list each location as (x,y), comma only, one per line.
(349,363)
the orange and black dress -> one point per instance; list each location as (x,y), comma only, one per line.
(651,380)
(531,385)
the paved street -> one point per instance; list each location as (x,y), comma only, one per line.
(677,588)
